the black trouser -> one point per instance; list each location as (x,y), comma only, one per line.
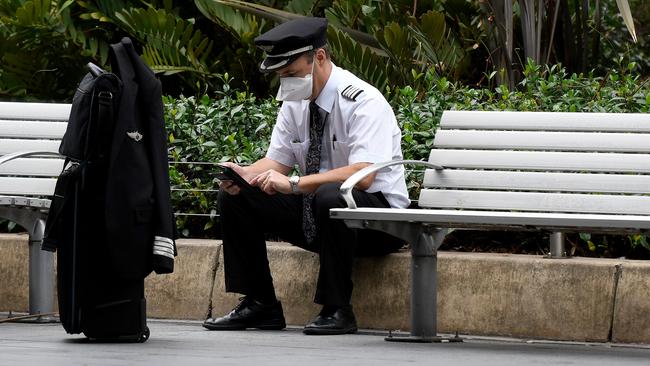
(247,217)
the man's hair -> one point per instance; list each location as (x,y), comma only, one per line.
(310,54)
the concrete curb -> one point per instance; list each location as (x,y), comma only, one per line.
(14,272)
(578,299)
(184,294)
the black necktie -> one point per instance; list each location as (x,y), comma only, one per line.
(317,123)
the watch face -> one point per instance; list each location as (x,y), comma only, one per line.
(294,183)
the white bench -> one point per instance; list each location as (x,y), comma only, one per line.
(30,134)
(551,171)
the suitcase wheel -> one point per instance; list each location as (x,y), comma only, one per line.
(145,335)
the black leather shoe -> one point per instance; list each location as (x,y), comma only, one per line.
(340,321)
(249,314)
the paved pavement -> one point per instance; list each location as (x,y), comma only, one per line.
(186,343)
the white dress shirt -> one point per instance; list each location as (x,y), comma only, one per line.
(363,130)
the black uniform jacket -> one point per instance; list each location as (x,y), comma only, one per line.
(113,202)
(139,220)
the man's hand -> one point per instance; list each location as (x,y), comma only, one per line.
(227,185)
(272,182)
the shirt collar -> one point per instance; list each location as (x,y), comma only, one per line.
(328,95)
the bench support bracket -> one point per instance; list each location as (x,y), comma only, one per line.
(424,241)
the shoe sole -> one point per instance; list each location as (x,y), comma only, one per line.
(267,326)
(317,331)
(222,327)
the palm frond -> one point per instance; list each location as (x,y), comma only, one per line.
(239,24)
(278,16)
(172,45)
(101,10)
(358,58)
(436,44)
(624,9)
(302,7)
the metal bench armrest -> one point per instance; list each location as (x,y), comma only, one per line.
(20,154)
(354,179)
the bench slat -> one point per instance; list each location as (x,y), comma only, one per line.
(544,121)
(35,111)
(13,145)
(499,219)
(560,141)
(37,167)
(539,202)
(537,181)
(552,161)
(27,186)
(32,129)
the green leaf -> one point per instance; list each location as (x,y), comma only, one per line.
(302,7)
(64,6)
(367,10)
(626,14)
(236,110)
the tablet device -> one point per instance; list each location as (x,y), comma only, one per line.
(227,173)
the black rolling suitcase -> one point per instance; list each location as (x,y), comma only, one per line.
(92,299)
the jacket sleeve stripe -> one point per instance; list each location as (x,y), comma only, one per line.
(166,250)
(163,253)
(163,239)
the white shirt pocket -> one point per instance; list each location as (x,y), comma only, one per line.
(300,153)
(340,154)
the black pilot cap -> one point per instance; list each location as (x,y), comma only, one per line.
(286,42)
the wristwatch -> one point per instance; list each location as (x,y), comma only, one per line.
(293,180)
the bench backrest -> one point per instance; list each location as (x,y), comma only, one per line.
(29,182)
(542,162)
(31,127)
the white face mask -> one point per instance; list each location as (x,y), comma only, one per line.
(296,88)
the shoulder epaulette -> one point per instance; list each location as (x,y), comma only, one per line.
(351,92)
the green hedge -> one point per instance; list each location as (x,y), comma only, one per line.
(236,127)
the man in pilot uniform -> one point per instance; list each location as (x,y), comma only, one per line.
(331,125)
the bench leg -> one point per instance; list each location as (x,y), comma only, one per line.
(41,274)
(558,249)
(41,263)
(424,243)
(424,289)
(424,262)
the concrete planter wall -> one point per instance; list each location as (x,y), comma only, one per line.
(581,299)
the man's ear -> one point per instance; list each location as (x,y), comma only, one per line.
(321,56)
